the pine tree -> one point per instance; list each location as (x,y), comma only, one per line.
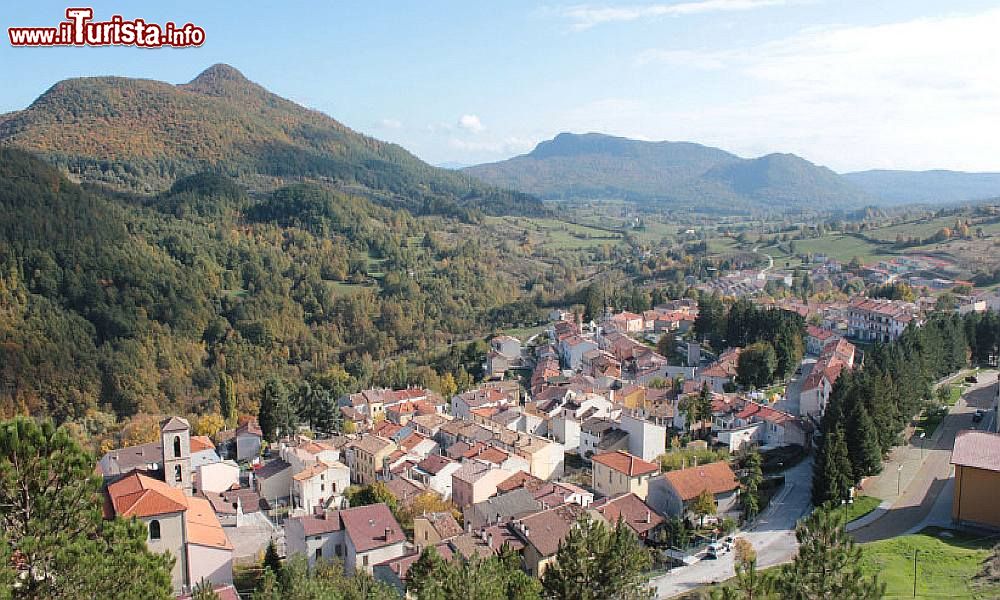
(832,476)
(51,512)
(204,591)
(863,443)
(828,562)
(751,485)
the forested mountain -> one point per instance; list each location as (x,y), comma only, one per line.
(142,135)
(934,187)
(113,304)
(674,174)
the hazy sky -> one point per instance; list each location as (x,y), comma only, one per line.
(911,84)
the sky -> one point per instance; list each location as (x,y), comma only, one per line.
(852,85)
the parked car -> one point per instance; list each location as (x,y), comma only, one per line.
(978,416)
(717,549)
(972,379)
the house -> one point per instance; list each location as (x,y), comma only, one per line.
(628,322)
(646,440)
(428,425)
(501,509)
(541,534)
(601,435)
(369,454)
(475,482)
(545,457)
(779,427)
(361,536)
(621,473)
(673,492)
(572,349)
(720,375)
(976,457)
(319,484)
(435,473)
(249,439)
(491,394)
(817,338)
(202,452)
(879,320)
(635,513)
(431,528)
(273,481)
(185,526)
(232,506)
(404,490)
(395,571)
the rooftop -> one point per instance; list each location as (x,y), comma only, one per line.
(715,477)
(371,527)
(977,449)
(623,462)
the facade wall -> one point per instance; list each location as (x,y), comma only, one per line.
(171,540)
(976,492)
(217,477)
(609,482)
(276,486)
(645,440)
(247,447)
(212,564)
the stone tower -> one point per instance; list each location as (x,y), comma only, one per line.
(175,437)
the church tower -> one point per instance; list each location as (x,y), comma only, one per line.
(175,437)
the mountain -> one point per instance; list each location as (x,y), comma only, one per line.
(674,174)
(141,135)
(927,186)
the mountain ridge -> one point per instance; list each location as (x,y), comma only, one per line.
(141,135)
(672,174)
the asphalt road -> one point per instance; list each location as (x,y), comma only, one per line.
(773,537)
(914,505)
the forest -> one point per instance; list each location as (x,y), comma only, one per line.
(114,304)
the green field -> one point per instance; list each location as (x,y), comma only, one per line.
(925,228)
(842,248)
(553,234)
(945,566)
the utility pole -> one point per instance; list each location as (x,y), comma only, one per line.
(915,572)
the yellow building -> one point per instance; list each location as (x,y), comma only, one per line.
(622,473)
(976,457)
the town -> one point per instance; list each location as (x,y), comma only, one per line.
(582,420)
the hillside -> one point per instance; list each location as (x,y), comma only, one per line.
(141,135)
(672,174)
(933,187)
(112,304)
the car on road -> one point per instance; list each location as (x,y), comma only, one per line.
(978,416)
(717,549)
(971,379)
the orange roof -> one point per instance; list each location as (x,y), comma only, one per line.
(201,442)
(203,527)
(137,495)
(623,462)
(715,477)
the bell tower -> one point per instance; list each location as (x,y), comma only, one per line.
(175,437)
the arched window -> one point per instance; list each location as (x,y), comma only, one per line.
(177,446)
(154,530)
(177,473)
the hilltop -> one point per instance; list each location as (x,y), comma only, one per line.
(672,174)
(142,135)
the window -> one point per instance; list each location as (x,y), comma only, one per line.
(364,560)
(178,476)
(322,487)
(337,549)
(177,446)
(154,530)
(319,553)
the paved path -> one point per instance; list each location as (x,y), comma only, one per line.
(773,537)
(793,391)
(921,474)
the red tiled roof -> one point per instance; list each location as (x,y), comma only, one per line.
(631,509)
(371,527)
(623,462)
(324,522)
(137,495)
(201,442)
(203,527)
(977,449)
(715,477)
(764,413)
(434,463)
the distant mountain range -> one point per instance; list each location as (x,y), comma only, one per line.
(937,187)
(685,175)
(142,135)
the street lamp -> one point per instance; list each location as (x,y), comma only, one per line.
(899,475)
(922,435)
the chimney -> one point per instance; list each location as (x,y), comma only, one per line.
(388,533)
(489,540)
(482,534)
(527,531)
(649,517)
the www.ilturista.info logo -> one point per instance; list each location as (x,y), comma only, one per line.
(79,29)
